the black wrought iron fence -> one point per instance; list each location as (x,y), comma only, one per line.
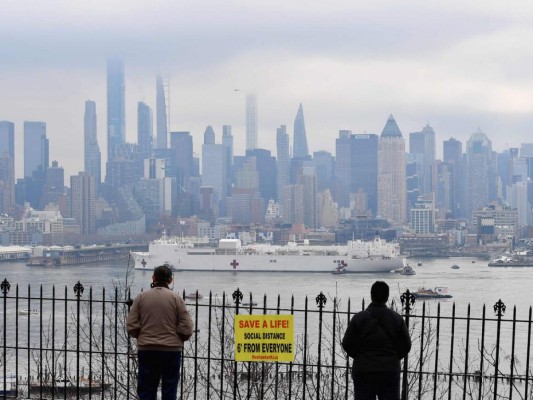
(72,343)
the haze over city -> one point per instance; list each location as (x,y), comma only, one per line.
(457,66)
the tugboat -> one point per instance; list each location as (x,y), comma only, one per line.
(407,270)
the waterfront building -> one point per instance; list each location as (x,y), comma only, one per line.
(299,148)
(35,148)
(82,200)
(92,162)
(116,111)
(283,161)
(144,129)
(502,218)
(251,122)
(392,191)
(162,107)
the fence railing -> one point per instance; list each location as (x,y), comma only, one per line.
(72,343)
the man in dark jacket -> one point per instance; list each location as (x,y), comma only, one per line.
(161,323)
(377,339)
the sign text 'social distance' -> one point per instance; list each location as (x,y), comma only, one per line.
(264,338)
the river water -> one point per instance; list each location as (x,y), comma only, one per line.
(474,283)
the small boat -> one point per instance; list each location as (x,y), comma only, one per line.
(29,311)
(435,293)
(194,296)
(407,270)
(473,261)
(247,303)
(67,385)
(419,263)
(455,266)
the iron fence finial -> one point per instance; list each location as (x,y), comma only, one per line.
(5,286)
(499,308)
(321,300)
(78,289)
(237,296)
(408,300)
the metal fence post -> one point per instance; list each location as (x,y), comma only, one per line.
(408,300)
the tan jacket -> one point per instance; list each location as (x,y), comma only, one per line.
(159,320)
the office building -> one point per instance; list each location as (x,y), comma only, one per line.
(343,167)
(422,144)
(214,171)
(83,204)
(479,156)
(92,162)
(392,191)
(453,156)
(7,139)
(162,108)
(35,148)
(116,111)
(283,161)
(144,130)
(364,169)
(181,146)
(251,122)
(324,164)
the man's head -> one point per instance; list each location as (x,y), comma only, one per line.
(379,293)
(162,275)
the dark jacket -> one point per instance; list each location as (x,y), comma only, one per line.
(377,339)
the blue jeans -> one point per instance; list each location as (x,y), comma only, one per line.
(383,384)
(155,366)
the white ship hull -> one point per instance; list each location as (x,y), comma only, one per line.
(180,260)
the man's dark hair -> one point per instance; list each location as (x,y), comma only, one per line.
(163,274)
(379,292)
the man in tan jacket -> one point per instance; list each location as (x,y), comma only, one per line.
(161,323)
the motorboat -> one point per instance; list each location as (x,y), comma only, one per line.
(438,292)
(455,266)
(28,311)
(419,263)
(194,296)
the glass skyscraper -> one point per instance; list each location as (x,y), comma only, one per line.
(116,125)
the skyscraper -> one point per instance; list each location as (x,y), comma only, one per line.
(343,167)
(422,145)
(92,163)
(7,166)
(251,122)
(283,161)
(82,200)
(392,191)
(214,172)
(144,129)
(182,146)
(364,153)
(162,117)
(35,148)
(7,139)
(300,138)
(453,155)
(116,114)
(479,155)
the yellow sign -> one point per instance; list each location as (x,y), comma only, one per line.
(267,338)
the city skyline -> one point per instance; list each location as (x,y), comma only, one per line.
(355,65)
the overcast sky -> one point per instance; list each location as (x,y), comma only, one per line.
(457,65)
